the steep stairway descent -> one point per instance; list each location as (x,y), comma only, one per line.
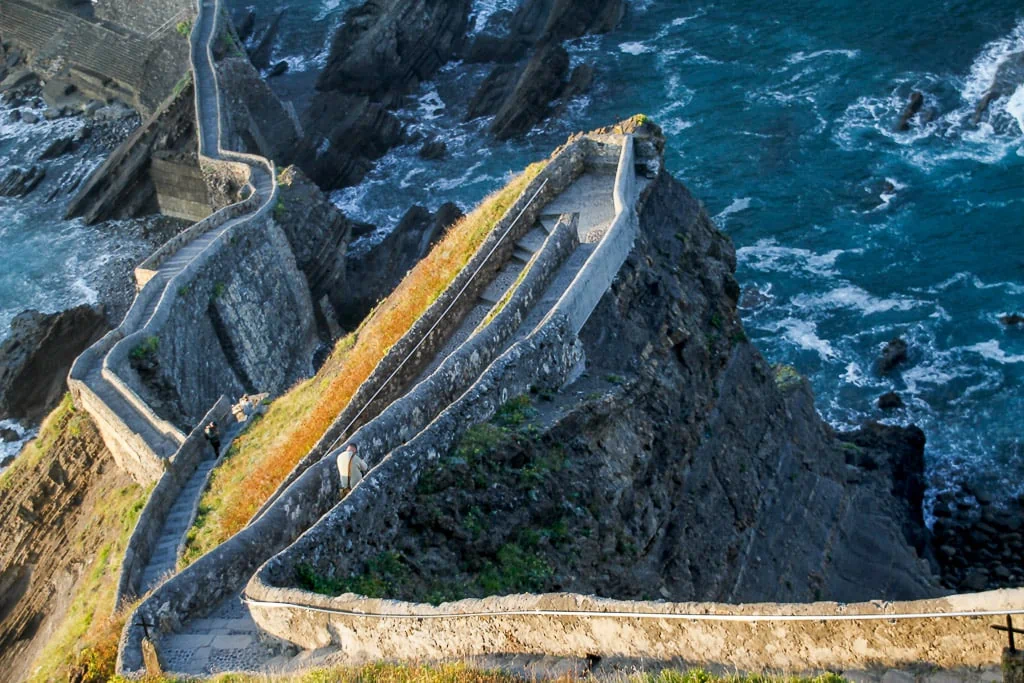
(164,561)
(591,197)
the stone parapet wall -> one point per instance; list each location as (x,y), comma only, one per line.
(180,189)
(753,637)
(147,528)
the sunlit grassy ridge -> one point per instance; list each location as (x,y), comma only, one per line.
(84,644)
(461,673)
(262,457)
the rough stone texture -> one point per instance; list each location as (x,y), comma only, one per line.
(528,103)
(385,49)
(180,189)
(36,357)
(372,275)
(319,235)
(346,134)
(256,120)
(243,324)
(106,59)
(18,182)
(166,492)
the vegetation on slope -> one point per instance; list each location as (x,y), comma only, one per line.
(94,530)
(461,673)
(261,459)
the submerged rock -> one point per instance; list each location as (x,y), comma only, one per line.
(893,354)
(433,149)
(890,401)
(20,181)
(1012,319)
(58,147)
(913,106)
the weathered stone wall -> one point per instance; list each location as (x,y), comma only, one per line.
(102,59)
(147,528)
(828,636)
(144,17)
(181,191)
(242,323)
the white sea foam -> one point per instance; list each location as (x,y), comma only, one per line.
(799,57)
(768,255)
(431,106)
(993,351)
(804,333)
(737,205)
(986,64)
(635,48)
(853,297)
(1015,107)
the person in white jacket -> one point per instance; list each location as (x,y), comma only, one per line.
(351,468)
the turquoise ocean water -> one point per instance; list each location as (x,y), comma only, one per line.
(779,117)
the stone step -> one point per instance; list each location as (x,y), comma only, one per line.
(505,278)
(522,255)
(533,240)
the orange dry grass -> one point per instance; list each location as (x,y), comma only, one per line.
(260,461)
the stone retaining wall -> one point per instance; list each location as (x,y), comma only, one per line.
(181,191)
(147,529)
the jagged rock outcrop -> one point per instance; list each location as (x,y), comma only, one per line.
(257,120)
(260,54)
(346,134)
(520,89)
(681,466)
(385,49)
(319,235)
(510,37)
(1009,76)
(36,357)
(374,274)
(20,181)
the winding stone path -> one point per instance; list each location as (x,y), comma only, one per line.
(164,561)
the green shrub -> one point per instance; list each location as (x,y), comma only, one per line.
(147,348)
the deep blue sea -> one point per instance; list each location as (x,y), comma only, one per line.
(780,119)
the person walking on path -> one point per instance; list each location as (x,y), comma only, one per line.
(213,436)
(351,468)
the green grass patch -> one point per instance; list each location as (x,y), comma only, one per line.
(145,349)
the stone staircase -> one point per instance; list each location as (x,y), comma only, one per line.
(164,560)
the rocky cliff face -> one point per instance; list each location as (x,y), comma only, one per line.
(681,466)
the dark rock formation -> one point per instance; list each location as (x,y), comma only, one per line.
(319,235)
(433,149)
(894,353)
(260,54)
(279,68)
(1012,319)
(8,435)
(246,26)
(520,95)
(372,275)
(1009,76)
(347,133)
(36,357)
(540,82)
(20,181)
(543,21)
(257,119)
(890,401)
(681,466)
(977,541)
(385,49)
(913,106)
(58,147)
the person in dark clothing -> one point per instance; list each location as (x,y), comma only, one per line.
(213,436)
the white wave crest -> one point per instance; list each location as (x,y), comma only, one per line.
(798,57)
(993,351)
(768,255)
(737,205)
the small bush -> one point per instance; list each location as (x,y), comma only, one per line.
(146,349)
(184,28)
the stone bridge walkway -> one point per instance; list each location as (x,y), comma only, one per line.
(229,640)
